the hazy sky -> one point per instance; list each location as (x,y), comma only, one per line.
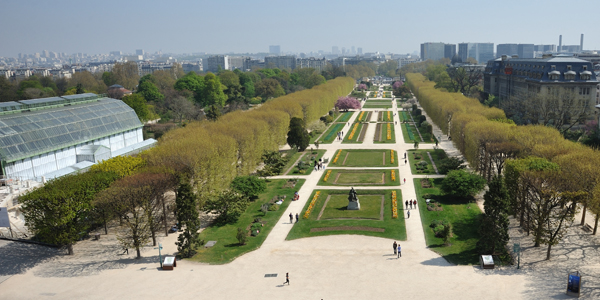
(178,26)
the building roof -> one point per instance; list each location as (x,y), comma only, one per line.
(31,133)
(540,69)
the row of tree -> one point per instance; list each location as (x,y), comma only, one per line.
(547,175)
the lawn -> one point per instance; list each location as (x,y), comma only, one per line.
(385,116)
(363,116)
(292,156)
(410,134)
(416,156)
(464,218)
(345,117)
(370,202)
(370,208)
(382,137)
(354,135)
(351,177)
(377,105)
(227,248)
(309,158)
(364,158)
(331,134)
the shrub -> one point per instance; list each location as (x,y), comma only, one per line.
(273,207)
(450,164)
(264,208)
(462,184)
(241,236)
(438,231)
(249,186)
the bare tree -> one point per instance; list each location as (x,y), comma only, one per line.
(559,110)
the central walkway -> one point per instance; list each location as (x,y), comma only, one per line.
(328,267)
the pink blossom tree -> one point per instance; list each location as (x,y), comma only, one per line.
(347,103)
(397,85)
(362,87)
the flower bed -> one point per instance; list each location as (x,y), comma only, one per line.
(394,205)
(393,174)
(389,131)
(360,116)
(337,156)
(327,175)
(312,204)
(391,157)
(353,131)
(389,115)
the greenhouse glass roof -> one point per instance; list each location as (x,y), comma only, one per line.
(28,134)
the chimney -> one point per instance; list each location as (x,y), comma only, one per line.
(581,44)
(560,43)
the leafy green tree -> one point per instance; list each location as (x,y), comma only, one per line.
(249,90)
(213,91)
(274,163)
(149,91)
(249,186)
(462,184)
(79,89)
(59,212)
(241,236)
(269,88)
(229,205)
(493,230)
(8,90)
(213,113)
(126,74)
(298,135)
(31,82)
(108,78)
(138,103)
(188,219)
(451,163)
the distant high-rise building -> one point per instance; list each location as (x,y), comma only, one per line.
(236,62)
(507,49)
(275,49)
(433,51)
(216,62)
(449,50)
(116,53)
(544,48)
(526,51)
(281,62)
(344,51)
(353,50)
(139,52)
(335,50)
(46,53)
(359,50)
(482,52)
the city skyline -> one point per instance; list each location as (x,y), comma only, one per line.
(249,27)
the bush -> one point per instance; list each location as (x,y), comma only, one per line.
(241,236)
(427,196)
(273,207)
(249,186)
(462,184)
(327,119)
(450,164)
(438,231)
(264,208)
(436,223)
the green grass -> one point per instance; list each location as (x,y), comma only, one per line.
(378,105)
(364,117)
(464,218)
(365,158)
(345,117)
(356,134)
(384,134)
(352,177)
(410,136)
(437,155)
(227,248)
(384,116)
(370,208)
(291,159)
(331,134)
(394,228)
(307,159)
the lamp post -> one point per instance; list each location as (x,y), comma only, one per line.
(159,254)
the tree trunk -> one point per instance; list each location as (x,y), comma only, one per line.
(153,236)
(105,227)
(583,214)
(596,224)
(548,253)
(165,216)
(70,249)
(137,250)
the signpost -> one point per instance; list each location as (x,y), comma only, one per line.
(159,255)
(517,250)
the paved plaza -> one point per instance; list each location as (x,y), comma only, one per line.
(327,267)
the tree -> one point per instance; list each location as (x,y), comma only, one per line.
(149,91)
(213,113)
(60,211)
(298,135)
(462,184)
(79,89)
(347,103)
(108,78)
(249,186)
(362,87)
(493,230)
(274,163)
(181,107)
(8,90)
(188,220)
(229,205)
(126,74)
(269,88)
(138,103)
(213,91)
(451,163)
(241,236)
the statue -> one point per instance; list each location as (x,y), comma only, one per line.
(353,203)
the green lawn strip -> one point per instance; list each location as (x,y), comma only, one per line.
(352,177)
(393,228)
(365,158)
(407,133)
(437,155)
(331,134)
(404,116)
(356,134)
(377,106)
(464,218)
(364,117)
(227,248)
(307,159)
(345,117)
(384,134)
(292,160)
(370,208)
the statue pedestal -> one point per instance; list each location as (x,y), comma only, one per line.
(353,205)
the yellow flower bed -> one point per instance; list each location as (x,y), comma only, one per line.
(392,156)
(389,116)
(311,205)
(353,131)
(336,157)
(327,175)
(389,131)
(360,116)
(394,205)
(393,175)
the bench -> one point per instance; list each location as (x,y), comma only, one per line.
(587,228)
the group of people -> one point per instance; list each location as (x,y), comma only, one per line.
(397,249)
(319,165)
(410,203)
(292,218)
(340,135)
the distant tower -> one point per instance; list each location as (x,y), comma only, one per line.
(581,44)
(560,43)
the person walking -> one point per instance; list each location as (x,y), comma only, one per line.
(291,218)
(287,278)
(406,203)
(399,250)
(297,219)
(395,247)
(410,203)
(404,180)
(405,161)
(408,213)
(415,203)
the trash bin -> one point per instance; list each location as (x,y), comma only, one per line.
(96,236)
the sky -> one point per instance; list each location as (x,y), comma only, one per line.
(250,26)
